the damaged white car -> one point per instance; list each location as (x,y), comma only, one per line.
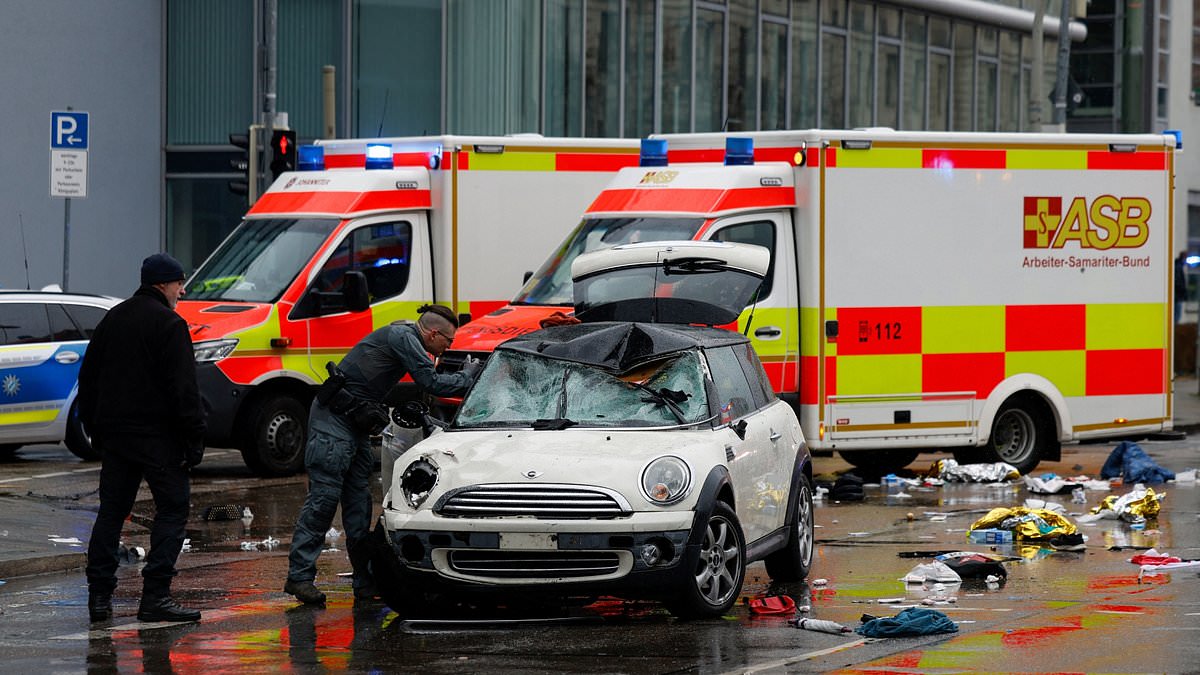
(640,453)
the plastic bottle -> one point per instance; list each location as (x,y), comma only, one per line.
(822,626)
(1078,496)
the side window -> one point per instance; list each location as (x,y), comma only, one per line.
(23,323)
(62,329)
(734,396)
(379,251)
(86,317)
(760,384)
(761,233)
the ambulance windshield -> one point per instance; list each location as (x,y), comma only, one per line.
(260,259)
(551,285)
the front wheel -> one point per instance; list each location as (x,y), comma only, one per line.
(712,573)
(277,437)
(77,440)
(793,561)
(1020,436)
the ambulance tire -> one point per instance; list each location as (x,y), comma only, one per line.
(1022,433)
(77,440)
(278,434)
(875,463)
(793,561)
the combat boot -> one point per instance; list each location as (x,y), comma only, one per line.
(100,606)
(305,592)
(164,608)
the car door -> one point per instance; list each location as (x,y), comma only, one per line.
(39,366)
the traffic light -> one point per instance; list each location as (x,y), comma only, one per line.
(283,152)
(241,164)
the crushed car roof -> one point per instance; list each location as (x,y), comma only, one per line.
(619,346)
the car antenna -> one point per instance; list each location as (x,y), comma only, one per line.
(24,249)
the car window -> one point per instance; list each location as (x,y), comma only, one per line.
(760,233)
(379,251)
(23,323)
(734,396)
(760,384)
(62,329)
(86,317)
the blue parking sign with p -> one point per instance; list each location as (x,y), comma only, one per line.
(69,130)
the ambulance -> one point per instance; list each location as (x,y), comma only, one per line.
(990,295)
(360,236)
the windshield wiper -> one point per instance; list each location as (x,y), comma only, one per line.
(666,397)
(553,424)
(693,265)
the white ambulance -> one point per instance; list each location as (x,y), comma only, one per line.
(991,294)
(363,234)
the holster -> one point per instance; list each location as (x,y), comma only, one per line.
(369,417)
(331,387)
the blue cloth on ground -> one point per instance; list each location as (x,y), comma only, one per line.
(912,621)
(1131,462)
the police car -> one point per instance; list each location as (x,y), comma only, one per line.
(43,336)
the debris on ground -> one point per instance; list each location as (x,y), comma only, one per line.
(976,565)
(268,544)
(1131,463)
(931,572)
(1053,484)
(225,512)
(953,472)
(1026,523)
(771,605)
(1137,505)
(821,626)
(910,621)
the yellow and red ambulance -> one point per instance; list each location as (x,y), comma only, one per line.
(990,294)
(363,234)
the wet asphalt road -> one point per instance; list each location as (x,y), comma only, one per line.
(1057,611)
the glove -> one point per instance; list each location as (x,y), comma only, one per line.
(471,367)
(195,454)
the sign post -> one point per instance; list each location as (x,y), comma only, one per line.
(68,168)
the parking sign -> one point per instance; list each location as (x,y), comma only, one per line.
(68,153)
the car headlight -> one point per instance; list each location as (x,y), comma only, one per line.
(417,481)
(666,480)
(213,350)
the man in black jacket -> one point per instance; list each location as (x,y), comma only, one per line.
(139,401)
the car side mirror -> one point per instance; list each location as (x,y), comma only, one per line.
(740,429)
(526,277)
(354,290)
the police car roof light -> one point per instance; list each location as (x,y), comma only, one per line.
(739,151)
(654,152)
(379,156)
(310,158)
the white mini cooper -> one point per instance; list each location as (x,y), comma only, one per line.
(640,453)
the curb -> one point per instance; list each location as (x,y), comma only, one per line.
(47,564)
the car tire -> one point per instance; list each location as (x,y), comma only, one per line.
(385,568)
(793,561)
(76,439)
(713,569)
(278,434)
(879,462)
(1022,434)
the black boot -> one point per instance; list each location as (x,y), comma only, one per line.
(100,606)
(164,608)
(305,592)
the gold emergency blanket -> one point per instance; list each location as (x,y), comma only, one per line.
(1026,523)
(1141,502)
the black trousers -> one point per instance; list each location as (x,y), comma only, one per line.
(127,461)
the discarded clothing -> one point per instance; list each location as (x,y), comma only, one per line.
(1051,484)
(953,472)
(1140,503)
(932,572)
(1133,465)
(1153,557)
(975,565)
(911,621)
(1182,566)
(1025,523)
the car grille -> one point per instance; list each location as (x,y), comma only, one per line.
(496,564)
(535,501)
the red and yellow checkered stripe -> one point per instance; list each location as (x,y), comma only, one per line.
(912,156)
(514,158)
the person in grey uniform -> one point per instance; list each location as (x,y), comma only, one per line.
(347,411)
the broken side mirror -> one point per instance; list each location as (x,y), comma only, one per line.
(354,290)
(740,429)
(526,277)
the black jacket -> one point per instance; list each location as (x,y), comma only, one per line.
(139,374)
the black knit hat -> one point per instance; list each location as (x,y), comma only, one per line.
(161,268)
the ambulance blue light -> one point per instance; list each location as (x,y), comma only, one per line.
(310,158)
(379,156)
(1178,134)
(739,151)
(654,152)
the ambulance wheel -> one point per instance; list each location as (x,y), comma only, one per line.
(879,462)
(1021,434)
(277,438)
(77,440)
(793,561)
(713,569)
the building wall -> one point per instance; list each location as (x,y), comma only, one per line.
(104,58)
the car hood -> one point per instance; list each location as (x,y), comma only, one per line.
(488,331)
(210,320)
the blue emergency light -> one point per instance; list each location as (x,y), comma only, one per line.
(379,156)
(654,152)
(310,158)
(739,151)
(1178,134)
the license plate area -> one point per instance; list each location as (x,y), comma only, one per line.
(538,541)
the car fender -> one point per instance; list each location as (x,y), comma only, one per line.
(801,469)
(718,485)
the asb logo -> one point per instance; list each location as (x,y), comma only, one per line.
(1105,222)
(658,177)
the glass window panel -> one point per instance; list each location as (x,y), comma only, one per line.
(86,317)
(710,59)
(676,89)
(862,62)
(1094,98)
(1164,63)
(200,214)
(772,85)
(833,13)
(887,86)
(939,92)
(1010,82)
(964,78)
(759,233)
(1092,68)
(775,7)
(987,41)
(939,32)
(603,80)
(862,18)
(743,59)
(734,398)
(1162,103)
(914,72)
(397,69)
(23,323)
(639,68)
(889,21)
(62,329)
(309,38)
(833,81)
(1095,8)
(210,70)
(493,66)
(564,63)
(804,64)
(987,96)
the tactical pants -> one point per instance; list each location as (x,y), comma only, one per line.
(127,460)
(339,463)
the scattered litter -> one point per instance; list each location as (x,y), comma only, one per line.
(74,541)
(821,626)
(990,535)
(848,488)
(1140,503)
(820,493)
(819,582)
(1186,476)
(975,565)
(932,572)
(858,534)
(226,512)
(1129,461)
(1153,557)
(924,554)
(1182,566)
(1078,496)
(332,535)
(771,605)
(130,554)
(890,601)
(951,471)
(1025,523)
(902,495)
(1033,504)
(1053,484)
(992,581)
(187,546)
(268,544)
(940,518)
(911,621)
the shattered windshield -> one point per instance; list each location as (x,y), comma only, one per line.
(551,285)
(520,389)
(260,259)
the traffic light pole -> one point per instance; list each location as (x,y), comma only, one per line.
(270,22)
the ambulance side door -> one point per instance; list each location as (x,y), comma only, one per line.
(774,319)
(392,254)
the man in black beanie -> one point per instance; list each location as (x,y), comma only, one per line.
(139,401)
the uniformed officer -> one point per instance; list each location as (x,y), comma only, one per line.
(348,410)
(139,401)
